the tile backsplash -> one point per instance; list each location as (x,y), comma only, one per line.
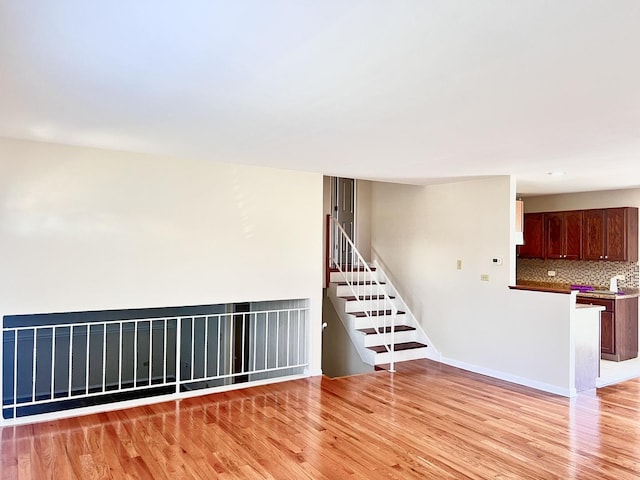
(578,272)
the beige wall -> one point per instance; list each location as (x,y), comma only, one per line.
(418,235)
(88,229)
(583,200)
(363,218)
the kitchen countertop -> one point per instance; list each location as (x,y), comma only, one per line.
(565,288)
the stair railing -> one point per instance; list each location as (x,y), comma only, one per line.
(345,257)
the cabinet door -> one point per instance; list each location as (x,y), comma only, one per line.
(615,234)
(607,333)
(554,233)
(593,235)
(573,235)
(533,236)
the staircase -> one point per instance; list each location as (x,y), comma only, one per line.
(380,325)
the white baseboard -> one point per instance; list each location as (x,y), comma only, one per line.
(508,377)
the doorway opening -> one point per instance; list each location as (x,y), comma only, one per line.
(343,207)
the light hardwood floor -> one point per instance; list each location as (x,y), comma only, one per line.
(425,421)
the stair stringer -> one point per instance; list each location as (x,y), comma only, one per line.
(348,320)
(432,352)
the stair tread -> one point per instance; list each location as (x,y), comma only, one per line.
(399,328)
(398,347)
(364,282)
(350,269)
(353,298)
(375,313)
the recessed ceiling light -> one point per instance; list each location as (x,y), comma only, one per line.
(556,174)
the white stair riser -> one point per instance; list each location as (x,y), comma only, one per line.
(401,356)
(362,305)
(352,276)
(385,338)
(345,290)
(368,322)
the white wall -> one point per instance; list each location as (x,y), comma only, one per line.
(420,232)
(87,229)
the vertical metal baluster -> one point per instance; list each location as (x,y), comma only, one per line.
(299,333)
(288,337)
(104,357)
(135,353)
(231,343)
(150,349)
(178,352)
(164,360)
(120,348)
(244,317)
(277,339)
(266,341)
(33,367)
(53,362)
(70,358)
(219,352)
(206,347)
(193,350)
(15,373)
(255,340)
(86,366)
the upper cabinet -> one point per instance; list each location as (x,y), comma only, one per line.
(563,235)
(603,234)
(533,236)
(611,234)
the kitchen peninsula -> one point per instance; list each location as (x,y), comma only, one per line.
(618,320)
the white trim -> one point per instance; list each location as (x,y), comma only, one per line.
(527,382)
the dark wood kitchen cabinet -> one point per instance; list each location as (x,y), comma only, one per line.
(533,236)
(618,327)
(563,235)
(610,234)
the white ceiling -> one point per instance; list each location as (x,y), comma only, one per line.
(416,91)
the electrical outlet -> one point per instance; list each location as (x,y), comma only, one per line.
(551,273)
(484,277)
(459,264)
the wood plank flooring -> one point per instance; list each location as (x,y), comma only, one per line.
(425,421)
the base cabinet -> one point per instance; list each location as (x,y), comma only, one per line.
(618,327)
(607,333)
